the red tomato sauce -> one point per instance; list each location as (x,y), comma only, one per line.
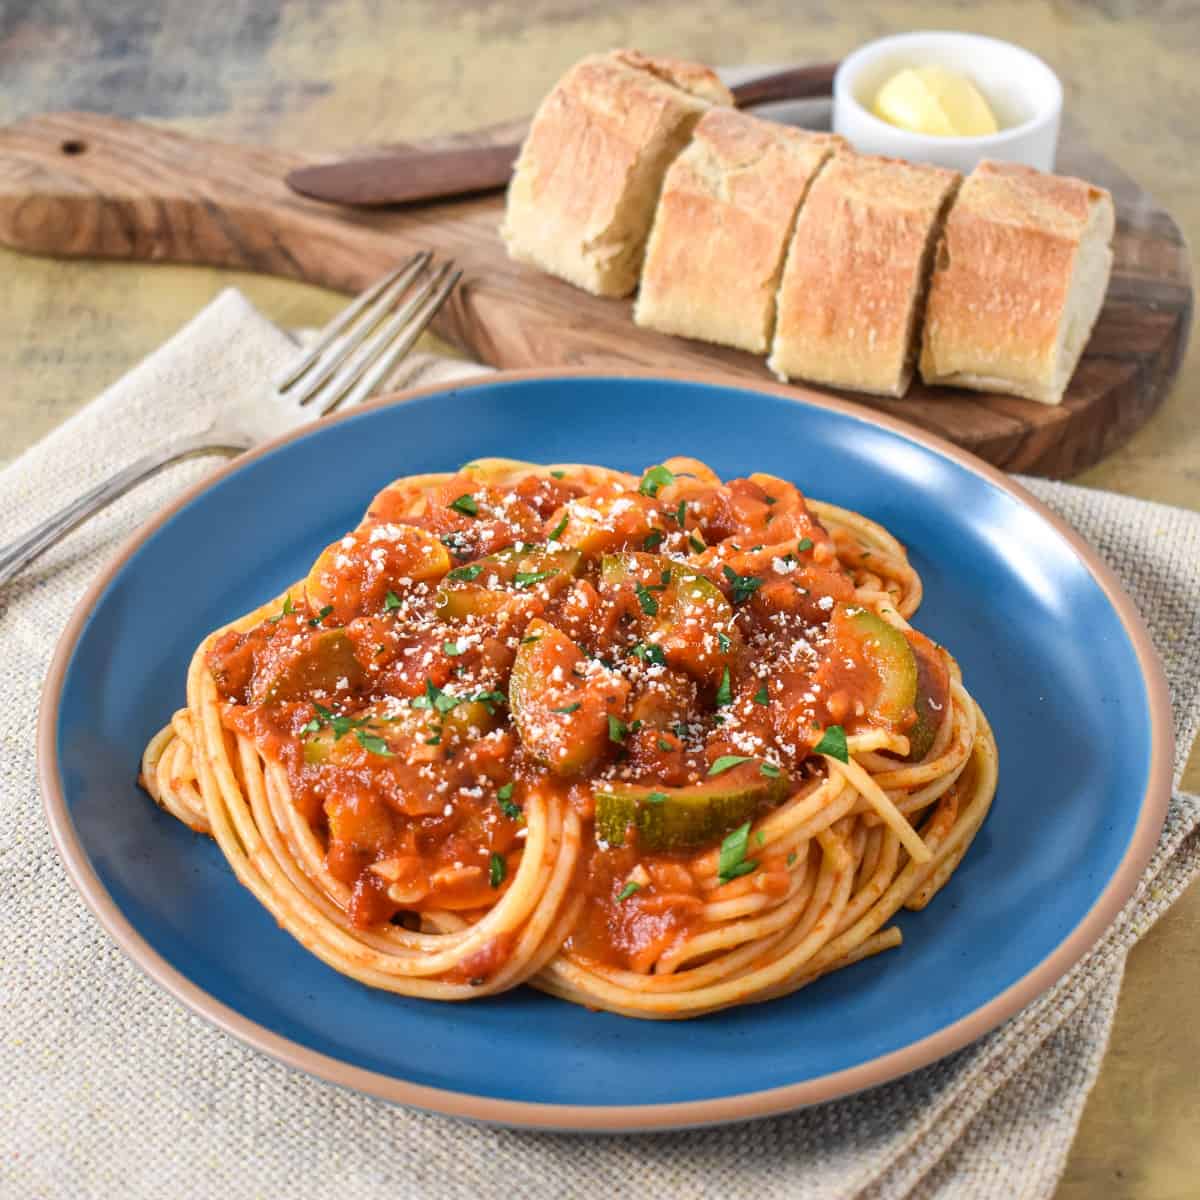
(452,655)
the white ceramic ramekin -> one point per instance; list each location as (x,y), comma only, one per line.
(1024,94)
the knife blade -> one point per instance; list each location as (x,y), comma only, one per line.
(482,161)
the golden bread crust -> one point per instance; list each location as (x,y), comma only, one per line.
(726,210)
(854,279)
(582,199)
(1018,280)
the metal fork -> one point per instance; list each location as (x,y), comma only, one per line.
(353,354)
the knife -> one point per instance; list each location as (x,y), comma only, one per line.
(482,161)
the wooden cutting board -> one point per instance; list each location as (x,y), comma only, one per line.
(77,184)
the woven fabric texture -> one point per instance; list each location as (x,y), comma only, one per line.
(109,1088)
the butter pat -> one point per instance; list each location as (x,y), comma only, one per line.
(936,102)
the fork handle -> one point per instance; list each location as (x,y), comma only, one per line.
(17,555)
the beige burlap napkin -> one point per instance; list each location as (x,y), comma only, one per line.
(109,1088)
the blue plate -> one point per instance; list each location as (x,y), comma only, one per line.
(1048,644)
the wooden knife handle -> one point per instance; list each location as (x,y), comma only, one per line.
(407,176)
(796,83)
(482,160)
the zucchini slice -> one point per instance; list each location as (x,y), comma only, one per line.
(318,665)
(561,717)
(683,818)
(487,586)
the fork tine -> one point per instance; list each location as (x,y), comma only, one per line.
(408,337)
(329,334)
(334,392)
(350,341)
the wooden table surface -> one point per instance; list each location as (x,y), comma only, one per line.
(355,71)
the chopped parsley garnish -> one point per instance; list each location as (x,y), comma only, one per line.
(465,504)
(628,890)
(558,474)
(724,690)
(558,530)
(681,513)
(665,746)
(656,798)
(497,869)
(791,859)
(487,699)
(505,800)
(732,863)
(315,621)
(569,708)
(696,543)
(833,743)
(655,478)
(435,739)
(617,729)
(465,574)
(650,652)
(724,642)
(285,611)
(436,699)
(652,539)
(760,837)
(451,648)
(679,729)
(744,586)
(770,770)
(390,601)
(528,641)
(727,761)
(762,696)
(771,499)
(531,578)
(646,599)
(311,727)
(376,745)
(805,543)
(340,725)
(455,544)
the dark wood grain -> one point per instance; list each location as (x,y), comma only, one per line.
(406,176)
(794,83)
(83,185)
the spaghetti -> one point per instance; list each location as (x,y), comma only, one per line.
(655,745)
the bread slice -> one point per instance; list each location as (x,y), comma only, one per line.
(721,228)
(1019,278)
(855,273)
(582,199)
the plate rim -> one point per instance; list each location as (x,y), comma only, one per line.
(626,1117)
